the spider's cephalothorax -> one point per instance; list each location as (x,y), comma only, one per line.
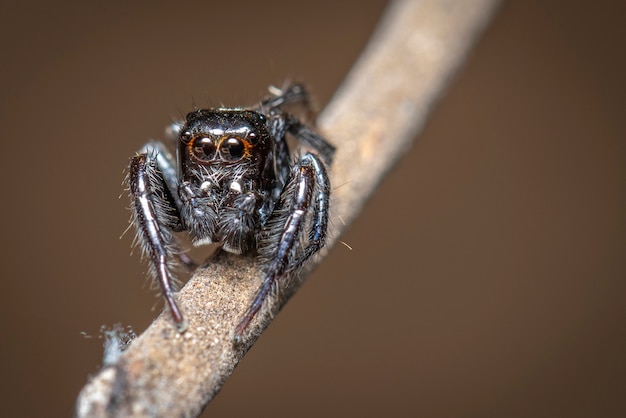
(234,183)
(227,177)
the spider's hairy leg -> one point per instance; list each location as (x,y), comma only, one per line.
(157,152)
(306,196)
(159,155)
(319,212)
(155,217)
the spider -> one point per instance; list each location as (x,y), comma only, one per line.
(234,182)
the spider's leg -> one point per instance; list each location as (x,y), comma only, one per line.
(294,93)
(305,196)
(281,123)
(164,160)
(154,214)
(277,125)
(310,138)
(319,212)
(172,131)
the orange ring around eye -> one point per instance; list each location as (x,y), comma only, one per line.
(234,148)
(202,148)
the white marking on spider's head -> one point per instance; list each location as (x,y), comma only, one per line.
(206,186)
(231,249)
(202,241)
(235,186)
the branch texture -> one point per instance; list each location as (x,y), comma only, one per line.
(401,74)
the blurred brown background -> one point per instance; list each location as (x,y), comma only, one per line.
(487,276)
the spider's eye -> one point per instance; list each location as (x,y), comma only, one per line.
(253,138)
(185,136)
(203,149)
(232,149)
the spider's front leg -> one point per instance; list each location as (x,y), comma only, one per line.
(295,231)
(155,215)
(281,122)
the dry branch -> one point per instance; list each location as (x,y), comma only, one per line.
(401,74)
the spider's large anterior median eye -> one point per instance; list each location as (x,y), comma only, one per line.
(204,149)
(232,149)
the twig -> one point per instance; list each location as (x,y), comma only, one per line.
(372,120)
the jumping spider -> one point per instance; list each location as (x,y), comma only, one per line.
(234,182)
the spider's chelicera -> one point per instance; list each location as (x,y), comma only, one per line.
(234,182)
